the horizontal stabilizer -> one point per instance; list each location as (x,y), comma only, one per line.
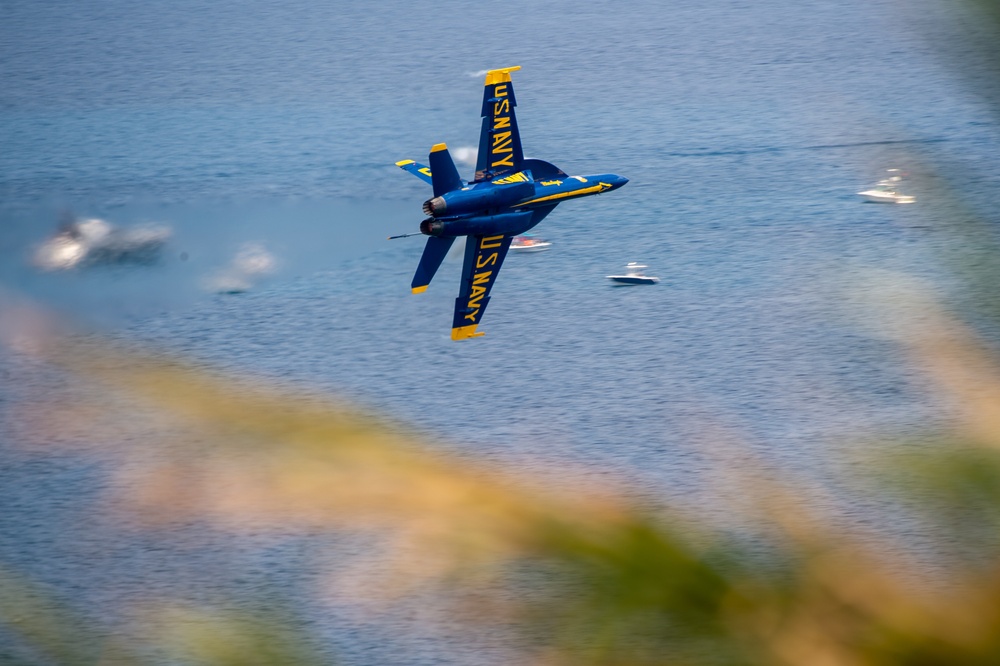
(444,175)
(434,253)
(419,170)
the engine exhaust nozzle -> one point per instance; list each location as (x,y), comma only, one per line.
(435,206)
(431,227)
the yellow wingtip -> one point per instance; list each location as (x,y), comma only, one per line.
(419,290)
(463,332)
(403,162)
(500,75)
(438,147)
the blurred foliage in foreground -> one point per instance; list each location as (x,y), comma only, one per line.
(571,578)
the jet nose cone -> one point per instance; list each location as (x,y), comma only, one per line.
(618,181)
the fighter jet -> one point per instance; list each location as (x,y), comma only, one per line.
(508,196)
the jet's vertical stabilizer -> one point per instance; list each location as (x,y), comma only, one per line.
(499,141)
(434,253)
(444,175)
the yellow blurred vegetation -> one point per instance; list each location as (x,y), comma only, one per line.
(573,577)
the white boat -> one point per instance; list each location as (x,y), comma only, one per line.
(887,190)
(528,243)
(95,241)
(634,275)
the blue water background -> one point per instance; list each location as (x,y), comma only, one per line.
(745,128)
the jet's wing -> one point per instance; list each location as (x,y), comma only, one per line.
(419,170)
(483,257)
(499,141)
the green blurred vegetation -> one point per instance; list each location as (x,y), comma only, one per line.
(573,579)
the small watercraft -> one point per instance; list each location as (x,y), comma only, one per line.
(528,243)
(634,275)
(887,190)
(95,241)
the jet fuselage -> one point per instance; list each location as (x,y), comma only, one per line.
(498,208)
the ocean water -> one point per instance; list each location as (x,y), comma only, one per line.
(745,130)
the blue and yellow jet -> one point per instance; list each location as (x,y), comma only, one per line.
(508,196)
